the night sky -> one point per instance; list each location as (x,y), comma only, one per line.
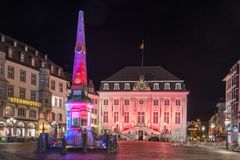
(198,41)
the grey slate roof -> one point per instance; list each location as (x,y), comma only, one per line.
(150,73)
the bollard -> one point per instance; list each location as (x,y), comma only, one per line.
(108,143)
(64,145)
(84,140)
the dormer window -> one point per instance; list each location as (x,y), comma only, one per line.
(59,72)
(15,43)
(36,53)
(127,86)
(155,86)
(3,38)
(10,52)
(178,86)
(105,86)
(116,86)
(33,62)
(22,57)
(52,69)
(26,48)
(43,64)
(167,86)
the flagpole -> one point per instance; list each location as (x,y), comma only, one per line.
(142,52)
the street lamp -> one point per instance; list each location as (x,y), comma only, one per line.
(203,129)
(212,129)
(227,122)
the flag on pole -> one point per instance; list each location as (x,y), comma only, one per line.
(142,45)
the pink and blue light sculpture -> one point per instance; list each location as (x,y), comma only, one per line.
(78,105)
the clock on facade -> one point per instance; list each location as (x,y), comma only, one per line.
(141,101)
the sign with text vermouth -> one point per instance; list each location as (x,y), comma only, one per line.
(24,102)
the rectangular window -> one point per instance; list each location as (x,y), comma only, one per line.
(60,87)
(140,117)
(10,72)
(115,117)
(105,117)
(52,85)
(105,102)
(33,62)
(178,103)
(167,102)
(56,102)
(33,114)
(33,79)
(177,118)
(126,102)
(155,102)
(155,117)
(22,57)
(116,102)
(60,102)
(10,91)
(1,69)
(22,76)
(33,95)
(22,93)
(126,117)
(166,117)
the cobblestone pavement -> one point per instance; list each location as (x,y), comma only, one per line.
(129,150)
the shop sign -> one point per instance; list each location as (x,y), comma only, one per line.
(24,102)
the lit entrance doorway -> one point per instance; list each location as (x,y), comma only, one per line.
(140,135)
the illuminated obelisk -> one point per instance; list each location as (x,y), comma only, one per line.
(78,103)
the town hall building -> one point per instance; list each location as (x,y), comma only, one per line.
(143,102)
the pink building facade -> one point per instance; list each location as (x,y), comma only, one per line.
(143,102)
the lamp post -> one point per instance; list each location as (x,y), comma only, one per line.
(203,129)
(227,122)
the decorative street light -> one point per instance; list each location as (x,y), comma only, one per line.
(203,129)
(227,122)
(212,130)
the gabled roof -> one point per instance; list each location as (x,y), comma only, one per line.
(151,73)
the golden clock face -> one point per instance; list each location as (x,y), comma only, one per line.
(141,101)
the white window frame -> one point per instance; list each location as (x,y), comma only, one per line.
(155,86)
(167,86)
(105,86)
(127,86)
(116,86)
(178,86)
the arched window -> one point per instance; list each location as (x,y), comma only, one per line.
(9,111)
(167,86)
(178,86)
(127,86)
(105,86)
(116,86)
(155,86)
(22,112)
